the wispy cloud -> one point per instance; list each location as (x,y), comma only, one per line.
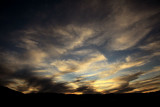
(115,84)
(82,47)
(151,46)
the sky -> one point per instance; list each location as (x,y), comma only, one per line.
(80,46)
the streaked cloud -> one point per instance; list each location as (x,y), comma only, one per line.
(81,47)
(127,39)
(151,46)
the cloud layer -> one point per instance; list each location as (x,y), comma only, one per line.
(81,47)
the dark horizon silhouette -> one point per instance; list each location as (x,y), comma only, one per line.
(49,98)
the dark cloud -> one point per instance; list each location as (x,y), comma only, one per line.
(44,84)
(125,89)
(87,90)
(5,72)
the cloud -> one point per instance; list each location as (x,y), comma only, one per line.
(106,44)
(146,85)
(125,27)
(5,72)
(145,89)
(26,81)
(151,46)
(121,83)
(128,31)
(131,61)
(125,40)
(115,67)
(54,40)
(124,86)
(87,90)
(117,84)
(87,64)
(154,69)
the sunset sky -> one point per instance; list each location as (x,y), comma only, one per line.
(80,46)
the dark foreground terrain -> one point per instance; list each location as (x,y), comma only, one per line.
(133,98)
